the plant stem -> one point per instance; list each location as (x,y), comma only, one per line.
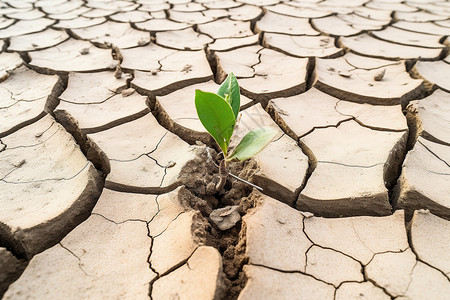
(229,173)
(223,173)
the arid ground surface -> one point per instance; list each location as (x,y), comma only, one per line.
(107,177)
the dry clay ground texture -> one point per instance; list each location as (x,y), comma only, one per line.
(107,176)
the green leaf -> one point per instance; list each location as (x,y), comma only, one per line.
(252,143)
(216,116)
(229,90)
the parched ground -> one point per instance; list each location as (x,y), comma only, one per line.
(107,176)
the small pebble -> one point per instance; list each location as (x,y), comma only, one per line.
(379,76)
(128,92)
(142,42)
(171,164)
(307,214)
(345,74)
(118,73)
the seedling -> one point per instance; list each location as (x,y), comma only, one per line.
(218,114)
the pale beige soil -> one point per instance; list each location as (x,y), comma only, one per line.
(107,177)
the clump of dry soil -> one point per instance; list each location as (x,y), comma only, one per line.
(200,177)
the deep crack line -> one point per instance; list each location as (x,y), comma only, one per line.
(312,164)
(437,156)
(380,287)
(149,262)
(151,249)
(3,146)
(254,65)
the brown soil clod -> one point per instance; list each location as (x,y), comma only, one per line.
(200,177)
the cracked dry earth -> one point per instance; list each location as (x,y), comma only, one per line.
(106,178)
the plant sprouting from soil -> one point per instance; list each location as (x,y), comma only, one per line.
(219,113)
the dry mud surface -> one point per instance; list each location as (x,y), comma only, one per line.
(107,177)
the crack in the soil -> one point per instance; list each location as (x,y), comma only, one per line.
(158,164)
(292,272)
(257,63)
(377,128)
(23,124)
(37,135)
(11,95)
(170,223)
(361,123)
(326,248)
(312,164)
(92,103)
(144,154)
(151,248)
(410,277)
(367,247)
(311,75)
(157,212)
(404,44)
(117,223)
(47,179)
(3,146)
(116,122)
(350,166)
(365,280)
(325,126)
(385,252)
(437,156)
(411,246)
(146,190)
(363,266)
(169,271)
(380,287)
(79,259)
(12,170)
(370,69)
(150,285)
(414,126)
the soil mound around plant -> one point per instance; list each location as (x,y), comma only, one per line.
(200,177)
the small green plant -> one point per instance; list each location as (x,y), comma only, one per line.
(218,114)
